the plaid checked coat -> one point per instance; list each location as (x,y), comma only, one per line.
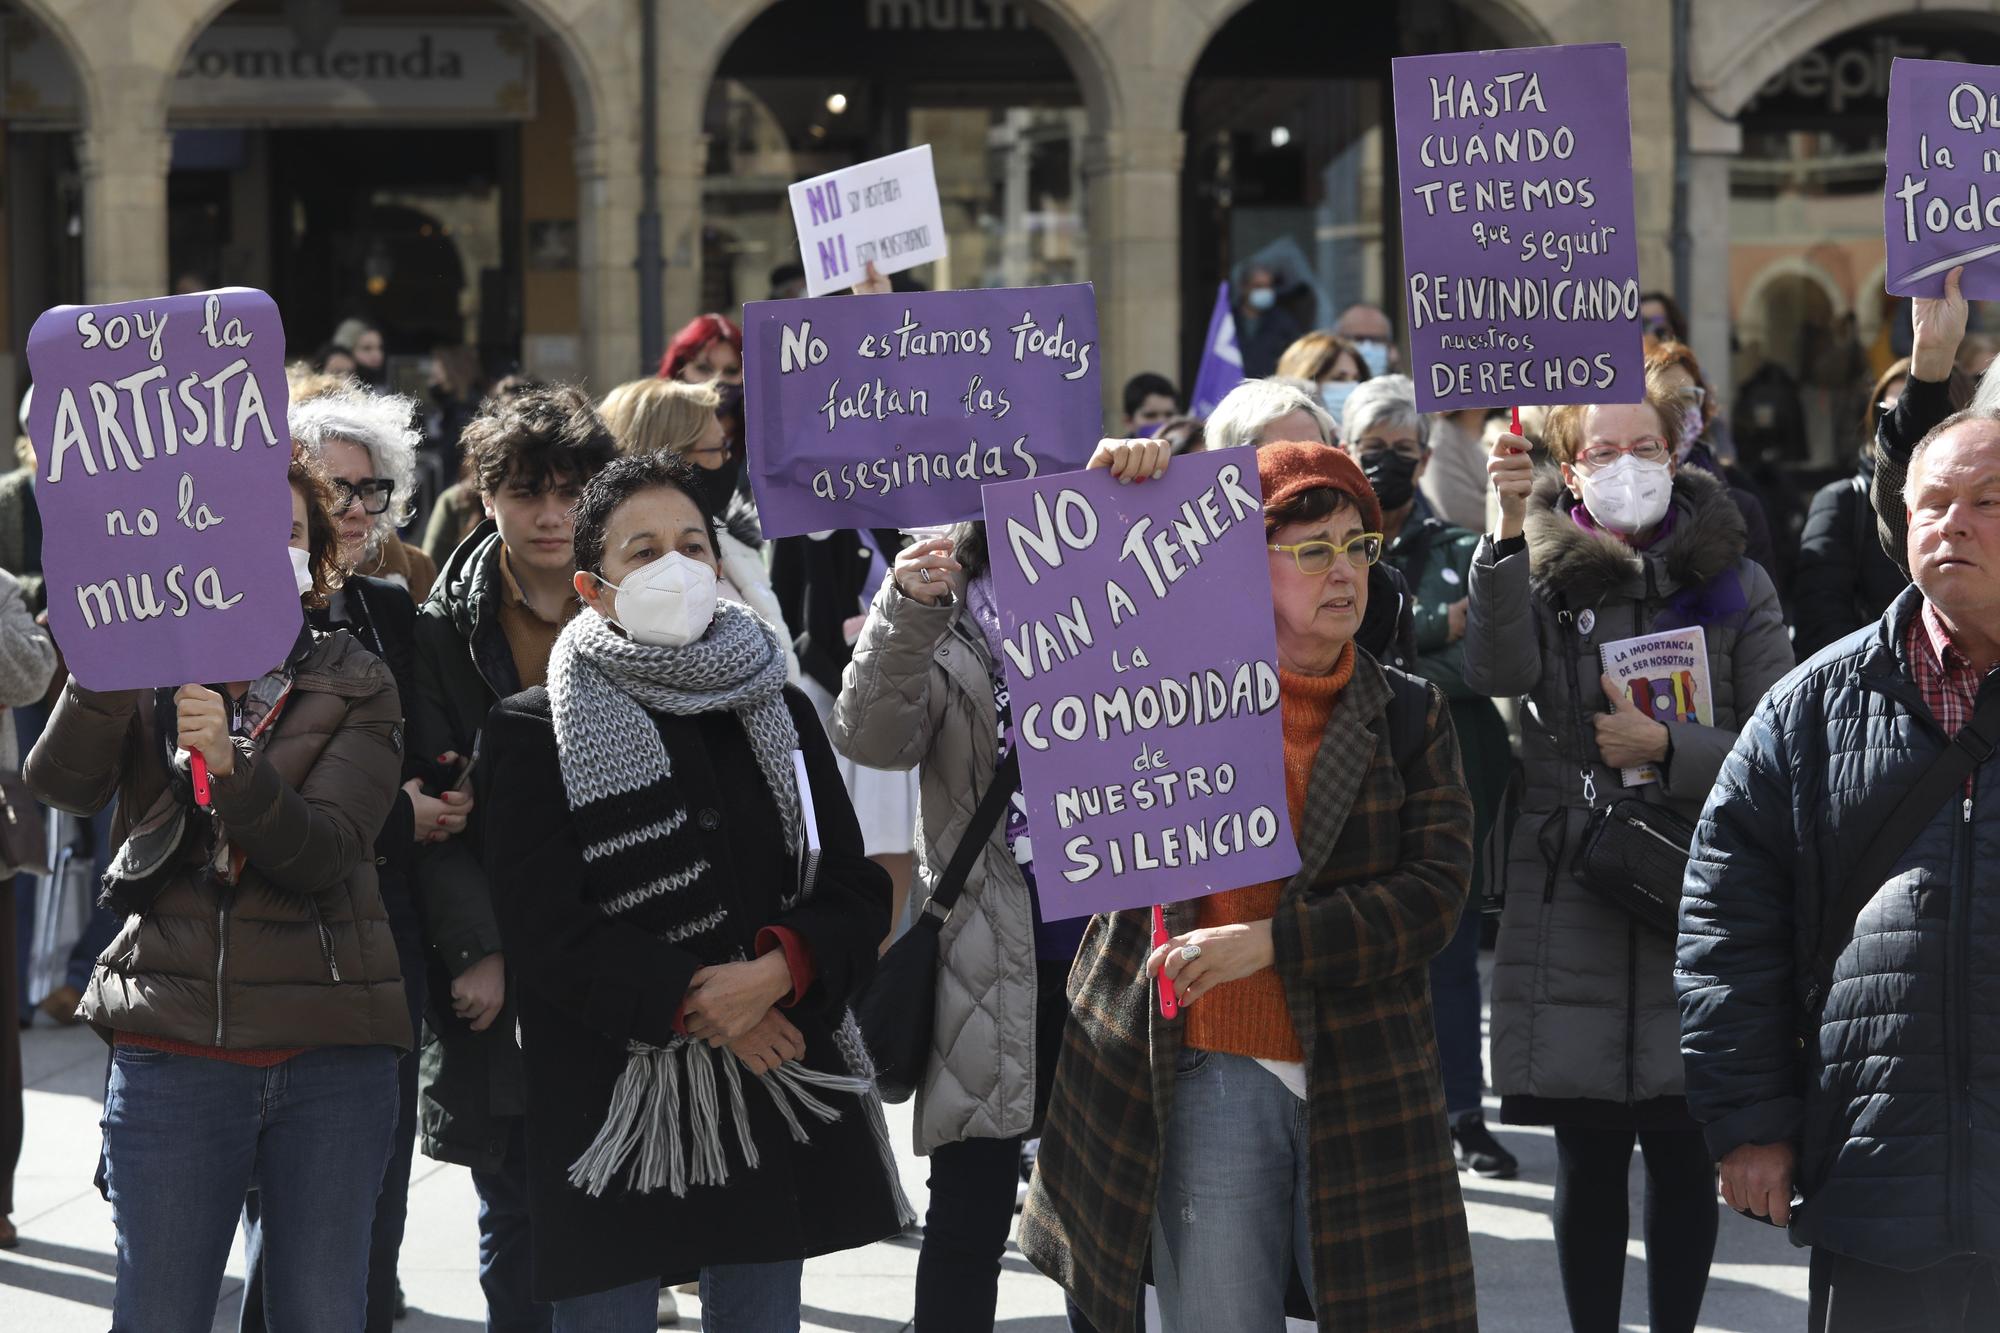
(1387,854)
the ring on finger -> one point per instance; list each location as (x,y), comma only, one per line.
(924,574)
(1190,952)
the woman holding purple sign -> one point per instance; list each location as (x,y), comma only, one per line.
(252,998)
(924,690)
(1293,1118)
(1620,542)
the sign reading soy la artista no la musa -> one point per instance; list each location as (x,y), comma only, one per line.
(892,411)
(1521,256)
(1941,199)
(161,455)
(1140,658)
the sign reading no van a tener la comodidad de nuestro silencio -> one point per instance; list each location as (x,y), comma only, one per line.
(1152,752)
(161,456)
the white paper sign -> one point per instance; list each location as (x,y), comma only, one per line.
(885,210)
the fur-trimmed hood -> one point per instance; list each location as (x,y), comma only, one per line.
(1584,565)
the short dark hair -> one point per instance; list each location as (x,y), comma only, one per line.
(1309,507)
(1677,322)
(309,479)
(536,438)
(1144,385)
(624,478)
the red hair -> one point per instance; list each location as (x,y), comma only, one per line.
(696,334)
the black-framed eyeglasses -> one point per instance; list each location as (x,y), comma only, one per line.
(373,492)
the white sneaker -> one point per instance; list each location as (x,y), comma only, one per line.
(670,1310)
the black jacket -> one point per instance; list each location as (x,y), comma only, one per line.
(587,984)
(1896,1113)
(471,1081)
(1389,626)
(1843,579)
(1924,403)
(818,585)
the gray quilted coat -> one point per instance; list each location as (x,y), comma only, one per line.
(1583,998)
(918,694)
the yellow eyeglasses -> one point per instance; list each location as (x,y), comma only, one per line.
(1361,551)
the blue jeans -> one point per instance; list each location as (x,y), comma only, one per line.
(1455,1007)
(185,1138)
(1231,1215)
(504,1250)
(735,1298)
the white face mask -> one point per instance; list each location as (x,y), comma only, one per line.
(1374,355)
(1333,395)
(1629,496)
(302,572)
(668,603)
(1262,298)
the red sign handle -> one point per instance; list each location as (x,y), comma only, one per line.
(1170,1006)
(199,767)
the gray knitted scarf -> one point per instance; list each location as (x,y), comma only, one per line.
(664,1126)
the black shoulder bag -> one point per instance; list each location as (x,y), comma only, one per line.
(1634,853)
(898,1008)
(1971,747)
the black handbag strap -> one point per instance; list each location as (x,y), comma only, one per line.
(1006,781)
(1973,745)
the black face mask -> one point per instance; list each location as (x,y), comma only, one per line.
(718,485)
(1391,476)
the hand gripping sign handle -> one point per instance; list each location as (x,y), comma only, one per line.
(1169,1006)
(199,768)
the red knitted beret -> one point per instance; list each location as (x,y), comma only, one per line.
(1288,468)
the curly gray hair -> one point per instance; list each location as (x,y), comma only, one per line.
(384,425)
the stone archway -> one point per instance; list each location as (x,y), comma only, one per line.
(133,49)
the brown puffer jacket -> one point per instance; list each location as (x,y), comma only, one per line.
(299,953)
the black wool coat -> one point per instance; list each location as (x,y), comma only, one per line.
(586,984)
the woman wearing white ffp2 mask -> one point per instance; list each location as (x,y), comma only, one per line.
(1586,1037)
(668,824)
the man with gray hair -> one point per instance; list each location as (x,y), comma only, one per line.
(367,443)
(1839,931)
(1264,412)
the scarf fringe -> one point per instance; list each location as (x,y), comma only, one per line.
(645,1140)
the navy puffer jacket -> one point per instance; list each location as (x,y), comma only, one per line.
(1896,1108)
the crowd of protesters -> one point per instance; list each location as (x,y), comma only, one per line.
(508,861)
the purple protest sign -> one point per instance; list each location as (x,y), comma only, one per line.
(1141,660)
(892,411)
(161,452)
(1940,201)
(1520,254)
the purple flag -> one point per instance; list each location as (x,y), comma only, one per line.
(161,451)
(1152,757)
(1520,254)
(1221,363)
(892,411)
(1940,199)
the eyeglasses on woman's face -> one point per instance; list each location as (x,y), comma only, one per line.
(1317,557)
(1603,453)
(373,493)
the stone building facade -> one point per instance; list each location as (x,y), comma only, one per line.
(1136,93)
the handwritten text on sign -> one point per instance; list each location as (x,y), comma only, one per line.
(1152,757)
(883,212)
(162,448)
(1522,260)
(892,411)
(1941,199)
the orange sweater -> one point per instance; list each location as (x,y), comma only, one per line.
(1250,1017)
